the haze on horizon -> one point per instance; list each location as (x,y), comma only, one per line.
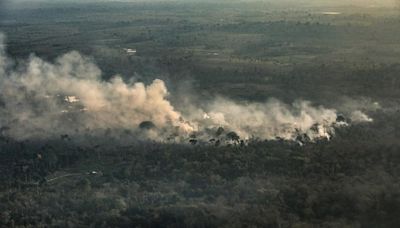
(365,3)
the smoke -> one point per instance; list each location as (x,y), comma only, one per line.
(69,96)
(3,59)
(270,120)
(359,117)
(39,99)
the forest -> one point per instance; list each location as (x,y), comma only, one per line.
(267,67)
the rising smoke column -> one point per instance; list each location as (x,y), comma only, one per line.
(39,99)
(35,100)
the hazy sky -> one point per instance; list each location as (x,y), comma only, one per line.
(317,2)
(8,4)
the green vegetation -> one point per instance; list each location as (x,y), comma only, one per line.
(350,181)
(247,51)
(243,50)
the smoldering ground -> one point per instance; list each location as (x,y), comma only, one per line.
(39,99)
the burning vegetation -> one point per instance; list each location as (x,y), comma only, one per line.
(43,100)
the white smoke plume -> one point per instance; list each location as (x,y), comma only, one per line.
(359,117)
(42,99)
(46,99)
(270,120)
